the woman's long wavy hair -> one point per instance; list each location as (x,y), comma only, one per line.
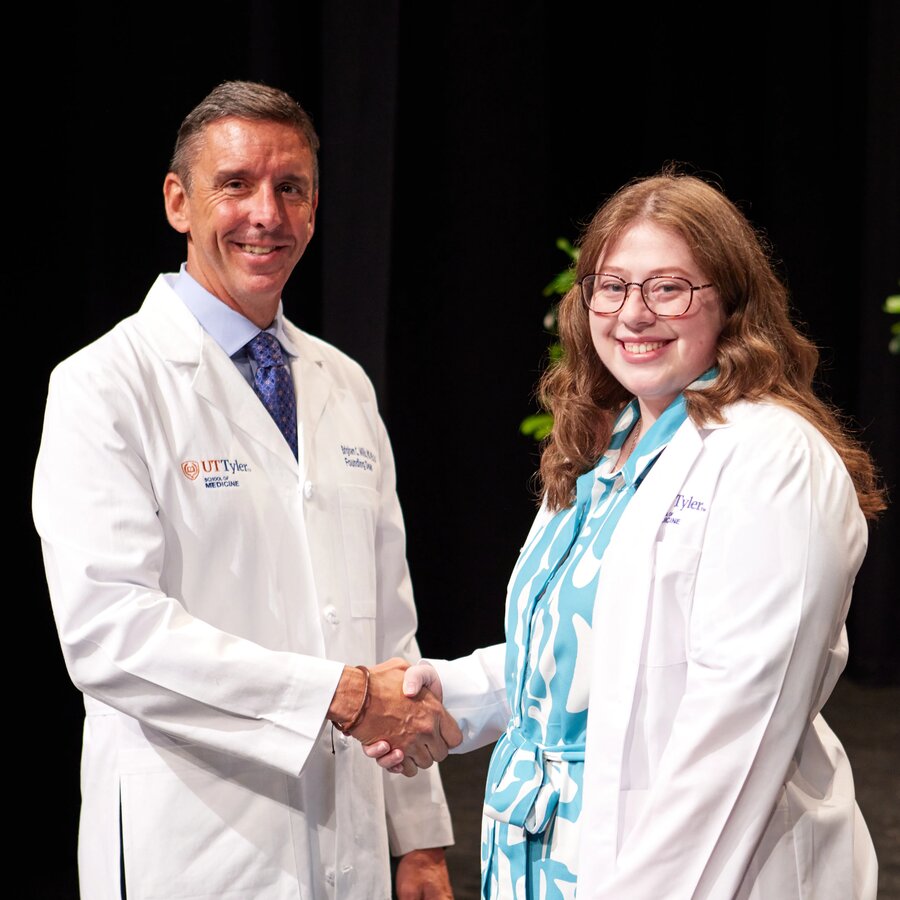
(760,353)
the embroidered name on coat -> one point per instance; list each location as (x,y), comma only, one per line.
(683,504)
(359,457)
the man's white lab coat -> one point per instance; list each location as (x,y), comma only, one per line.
(718,635)
(207,590)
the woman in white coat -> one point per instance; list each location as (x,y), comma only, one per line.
(675,621)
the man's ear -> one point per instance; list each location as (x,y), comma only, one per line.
(178,204)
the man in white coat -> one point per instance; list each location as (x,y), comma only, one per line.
(223,588)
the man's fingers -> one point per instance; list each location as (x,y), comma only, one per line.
(421,753)
(436,745)
(450,731)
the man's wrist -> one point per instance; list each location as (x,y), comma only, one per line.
(435,853)
(349,695)
(347,726)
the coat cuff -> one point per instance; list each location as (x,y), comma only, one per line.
(418,815)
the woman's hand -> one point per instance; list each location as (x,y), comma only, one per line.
(421,675)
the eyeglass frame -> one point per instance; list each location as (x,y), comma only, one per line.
(640,285)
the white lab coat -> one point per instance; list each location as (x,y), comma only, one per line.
(207,590)
(718,634)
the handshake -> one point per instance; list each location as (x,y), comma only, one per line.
(397,715)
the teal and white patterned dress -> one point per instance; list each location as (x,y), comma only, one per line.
(533,796)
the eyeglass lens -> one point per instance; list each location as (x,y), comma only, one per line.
(666,295)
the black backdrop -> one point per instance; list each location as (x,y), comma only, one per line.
(459,141)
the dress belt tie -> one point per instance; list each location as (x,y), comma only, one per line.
(520,788)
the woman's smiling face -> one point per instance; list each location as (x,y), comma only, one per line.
(651,357)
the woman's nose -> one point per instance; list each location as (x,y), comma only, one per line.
(635,311)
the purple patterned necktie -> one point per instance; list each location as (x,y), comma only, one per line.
(274,385)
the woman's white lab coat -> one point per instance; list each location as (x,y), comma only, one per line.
(207,590)
(718,634)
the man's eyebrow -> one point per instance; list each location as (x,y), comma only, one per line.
(230,174)
(301,178)
(243,173)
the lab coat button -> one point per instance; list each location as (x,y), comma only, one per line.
(308,489)
(331,614)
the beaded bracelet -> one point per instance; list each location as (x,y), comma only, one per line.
(347,727)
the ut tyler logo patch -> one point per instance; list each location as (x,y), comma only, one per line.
(190,468)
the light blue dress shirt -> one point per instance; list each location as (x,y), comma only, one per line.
(226,326)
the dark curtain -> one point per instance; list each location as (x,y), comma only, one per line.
(459,142)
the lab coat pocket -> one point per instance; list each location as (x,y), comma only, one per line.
(674,572)
(200,824)
(359,507)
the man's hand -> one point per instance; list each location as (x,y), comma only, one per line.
(421,676)
(423,875)
(413,722)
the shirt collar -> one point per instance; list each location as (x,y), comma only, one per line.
(227,327)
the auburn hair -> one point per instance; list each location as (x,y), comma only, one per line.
(760,354)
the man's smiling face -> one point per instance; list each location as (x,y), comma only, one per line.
(249,213)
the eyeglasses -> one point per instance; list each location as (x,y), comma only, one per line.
(666,296)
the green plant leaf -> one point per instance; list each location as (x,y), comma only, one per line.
(561,284)
(563,281)
(568,248)
(892,305)
(537,426)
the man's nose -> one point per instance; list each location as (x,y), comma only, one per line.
(265,211)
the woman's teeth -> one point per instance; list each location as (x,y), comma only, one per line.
(642,347)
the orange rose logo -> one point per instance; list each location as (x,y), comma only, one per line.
(191,468)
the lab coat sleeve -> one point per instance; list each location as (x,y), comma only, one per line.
(475,695)
(474,689)
(417,813)
(125,641)
(783,542)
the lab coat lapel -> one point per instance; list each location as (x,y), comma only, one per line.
(312,386)
(177,336)
(619,622)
